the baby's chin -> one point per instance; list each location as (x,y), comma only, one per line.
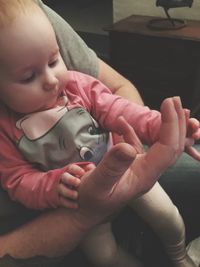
(50,105)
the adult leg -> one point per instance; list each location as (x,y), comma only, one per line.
(156,208)
(186,172)
(193,249)
(182,184)
(46,235)
(102,249)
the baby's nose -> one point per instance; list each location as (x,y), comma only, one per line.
(50,83)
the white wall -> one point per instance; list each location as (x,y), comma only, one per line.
(125,8)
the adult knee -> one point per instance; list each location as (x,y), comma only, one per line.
(104,256)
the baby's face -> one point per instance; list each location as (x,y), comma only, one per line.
(32,72)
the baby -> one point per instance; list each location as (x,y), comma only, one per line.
(56,124)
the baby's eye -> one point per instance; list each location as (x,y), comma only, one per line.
(53,63)
(28,78)
(86,153)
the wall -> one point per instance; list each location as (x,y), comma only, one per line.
(89,16)
(125,8)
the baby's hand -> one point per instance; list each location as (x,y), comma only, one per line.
(193,134)
(69,184)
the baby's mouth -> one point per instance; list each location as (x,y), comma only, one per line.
(58,101)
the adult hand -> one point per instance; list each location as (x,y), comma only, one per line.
(122,175)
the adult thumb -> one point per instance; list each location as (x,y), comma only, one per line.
(112,167)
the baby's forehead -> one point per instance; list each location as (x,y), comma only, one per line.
(27,35)
(11,9)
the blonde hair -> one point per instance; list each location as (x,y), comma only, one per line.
(10,9)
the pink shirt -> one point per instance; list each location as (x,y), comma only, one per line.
(37,189)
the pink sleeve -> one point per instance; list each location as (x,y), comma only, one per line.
(106,108)
(32,188)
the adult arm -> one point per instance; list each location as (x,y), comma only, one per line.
(118,84)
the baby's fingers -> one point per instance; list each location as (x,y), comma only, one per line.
(70,180)
(196,134)
(193,152)
(67,192)
(89,167)
(76,170)
(68,196)
(129,134)
(67,203)
(193,129)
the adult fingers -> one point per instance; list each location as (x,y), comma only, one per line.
(172,135)
(169,130)
(183,118)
